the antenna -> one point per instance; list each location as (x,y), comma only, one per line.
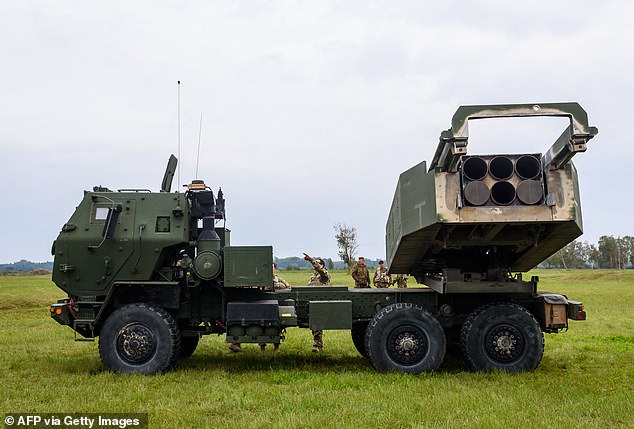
(179,133)
(200,131)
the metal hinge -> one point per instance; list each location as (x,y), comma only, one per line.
(66,268)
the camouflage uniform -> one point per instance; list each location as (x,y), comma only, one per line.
(361,276)
(278,283)
(320,277)
(401,281)
(381,278)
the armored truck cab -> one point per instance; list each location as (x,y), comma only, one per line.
(150,273)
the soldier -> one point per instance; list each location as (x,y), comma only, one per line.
(381,278)
(278,283)
(401,281)
(360,274)
(320,277)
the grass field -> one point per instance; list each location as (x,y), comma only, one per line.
(585,380)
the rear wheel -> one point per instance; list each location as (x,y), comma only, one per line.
(403,337)
(358,337)
(139,338)
(502,336)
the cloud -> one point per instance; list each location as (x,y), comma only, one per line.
(310,109)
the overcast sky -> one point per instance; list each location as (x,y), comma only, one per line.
(311,109)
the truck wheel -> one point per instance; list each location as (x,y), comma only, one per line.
(502,336)
(404,337)
(358,337)
(188,346)
(139,338)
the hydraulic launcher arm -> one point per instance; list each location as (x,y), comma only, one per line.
(453,142)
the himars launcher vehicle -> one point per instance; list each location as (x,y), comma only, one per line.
(149,273)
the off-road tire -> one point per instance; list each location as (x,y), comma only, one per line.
(139,338)
(188,346)
(502,336)
(358,337)
(406,338)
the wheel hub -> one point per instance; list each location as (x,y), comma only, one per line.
(504,343)
(136,343)
(407,345)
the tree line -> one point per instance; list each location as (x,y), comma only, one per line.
(608,252)
(294,263)
(24,265)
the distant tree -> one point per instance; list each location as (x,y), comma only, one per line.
(577,254)
(623,251)
(292,263)
(628,245)
(574,255)
(615,252)
(347,243)
(329,264)
(607,251)
(593,256)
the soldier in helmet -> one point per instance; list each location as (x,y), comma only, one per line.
(320,277)
(381,278)
(278,282)
(401,281)
(360,274)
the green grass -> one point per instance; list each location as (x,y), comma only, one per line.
(586,378)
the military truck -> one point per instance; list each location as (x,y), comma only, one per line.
(150,273)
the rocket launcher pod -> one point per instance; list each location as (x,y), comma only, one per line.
(487,213)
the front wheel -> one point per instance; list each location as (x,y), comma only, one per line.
(502,336)
(405,338)
(139,338)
